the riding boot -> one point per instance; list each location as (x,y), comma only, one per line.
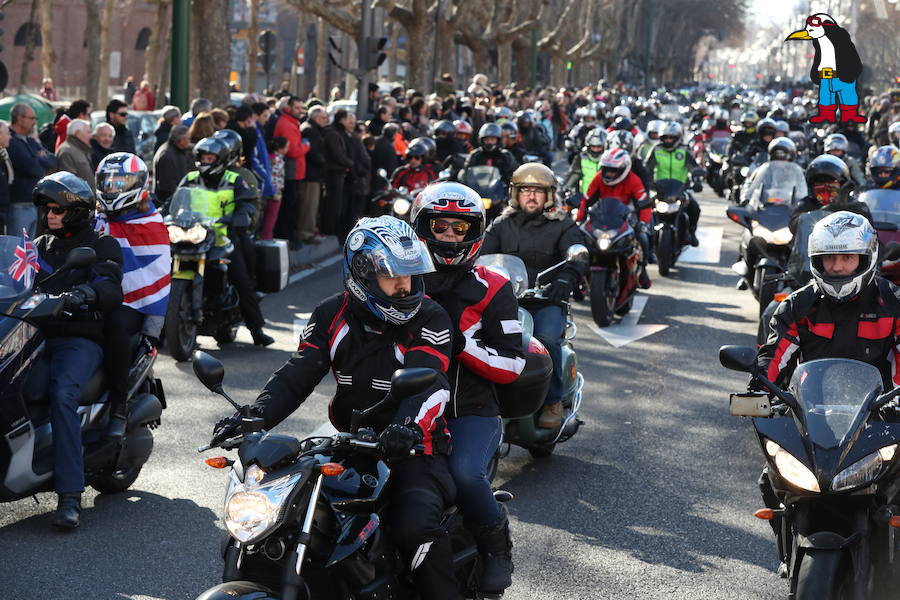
(495,546)
(118,420)
(68,511)
(260,338)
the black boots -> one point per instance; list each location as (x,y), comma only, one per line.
(118,419)
(260,338)
(495,546)
(68,511)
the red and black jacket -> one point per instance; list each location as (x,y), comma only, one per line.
(362,358)
(413,179)
(484,311)
(807,327)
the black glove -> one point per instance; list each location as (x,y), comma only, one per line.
(397,440)
(79,298)
(755,385)
(561,289)
(225,428)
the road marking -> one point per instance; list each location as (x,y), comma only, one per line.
(709,250)
(300,321)
(627,330)
(307,272)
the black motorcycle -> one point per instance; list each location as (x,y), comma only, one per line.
(673,228)
(26,448)
(715,158)
(830,443)
(304,517)
(201,301)
(486,182)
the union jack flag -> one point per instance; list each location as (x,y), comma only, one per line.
(26,262)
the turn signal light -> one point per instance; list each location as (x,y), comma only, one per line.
(766,514)
(331,469)
(734,218)
(218,462)
(781,296)
(894,521)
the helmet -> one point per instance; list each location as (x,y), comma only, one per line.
(765,127)
(621,111)
(595,137)
(489,130)
(776,113)
(797,114)
(670,129)
(580,112)
(418,148)
(430,148)
(824,176)
(623,124)
(122,181)
(884,167)
(450,199)
(653,128)
(444,127)
(620,139)
(70,192)
(524,119)
(782,127)
(843,232)
(749,120)
(894,133)
(463,127)
(233,141)
(782,148)
(837,141)
(212,172)
(509,128)
(387,247)
(533,175)
(590,113)
(504,112)
(615,164)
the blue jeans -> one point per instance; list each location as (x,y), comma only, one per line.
(831,88)
(475,440)
(549,327)
(72,362)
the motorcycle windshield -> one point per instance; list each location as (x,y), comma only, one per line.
(884,206)
(778,182)
(509,265)
(669,189)
(720,144)
(609,213)
(481,178)
(18,266)
(798,262)
(834,395)
(190,205)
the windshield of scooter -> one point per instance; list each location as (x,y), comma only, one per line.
(834,394)
(719,144)
(608,213)
(481,178)
(192,205)
(883,204)
(777,182)
(510,266)
(669,190)
(798,265)
(18,266)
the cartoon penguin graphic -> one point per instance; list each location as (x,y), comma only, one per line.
(835,68)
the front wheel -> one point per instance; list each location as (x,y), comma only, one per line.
(604,290)
(665,251)
(823,576)
(180,328)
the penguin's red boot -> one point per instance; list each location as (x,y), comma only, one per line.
(849,114)
(826,114)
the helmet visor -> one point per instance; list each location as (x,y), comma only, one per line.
(118,183)
(405,258)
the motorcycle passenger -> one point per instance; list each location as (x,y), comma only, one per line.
(128,215)
(510,137)
(533,138)
(490,152)
(74,340)
(884,168)
(837,144)
(487,349)
(417,172)
(231,199)
(743,138)
(587,164)
(782,152)
(757,151)
(671,160)
(616,180)
(654,127)
(539,232)
(463,135)
(447,144)
(826,182)
(382,322)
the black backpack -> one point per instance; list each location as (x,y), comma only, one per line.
(47,136)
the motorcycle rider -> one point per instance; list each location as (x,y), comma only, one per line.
(416,173)
(671,160)
(232,200)
(490,152)
(74,341)
(782,152)
(625,140)
(884,168)
(533,138)
(894,134)
(128,215)
(511,141)
(653,129)
(463,134)
(587,122)
(587,164)
(447,144)
(836,144)
(827,177)
(743,138)
(616,180)
(382,322)
(487,349)
(539,232)
(757,150)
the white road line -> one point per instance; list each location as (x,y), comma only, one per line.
(710,249)
(628,330)
(307,272)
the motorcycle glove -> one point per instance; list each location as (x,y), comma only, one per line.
(755,385)
(397,440)
(226,428)
(79,298)
(561,289)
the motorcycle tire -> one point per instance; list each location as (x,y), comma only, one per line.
(665,252)
(604,291)
(226,334)
(625,308)
(180,330)
(115,481)
(823,575)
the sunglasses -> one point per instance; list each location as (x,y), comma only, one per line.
(57,210)
(124,114)
(817,22)
(440,226)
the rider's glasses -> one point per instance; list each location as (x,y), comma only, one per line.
(532,191)
(440,226)
(57,210)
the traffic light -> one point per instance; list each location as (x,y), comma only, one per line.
(267,42)
(372,54)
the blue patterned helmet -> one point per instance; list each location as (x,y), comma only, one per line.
(385,247)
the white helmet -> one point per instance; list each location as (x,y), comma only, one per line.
(621,111)
(843,232)
(620,139)
(655,126)
(894,133)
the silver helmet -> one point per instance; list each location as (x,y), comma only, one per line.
(843,232)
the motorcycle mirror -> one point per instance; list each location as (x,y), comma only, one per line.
(882,400)
(209,371)
(409,382)
(403,190)
(578,253)
(891,251)
(738,358)
(573,201)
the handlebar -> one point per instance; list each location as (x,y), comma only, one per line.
(336,440)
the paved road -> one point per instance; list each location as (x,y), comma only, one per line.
(652,499)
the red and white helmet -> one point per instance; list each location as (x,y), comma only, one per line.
(615,164)
(448,199)
(463,128)
(122,181)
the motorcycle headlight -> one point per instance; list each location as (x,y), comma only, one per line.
(862,472)
(745,171)
(662,207)
(195,234)
(33,301)
(252,510)
(779,237)
(176,234)
(789,467)
(604,243)
(401,206)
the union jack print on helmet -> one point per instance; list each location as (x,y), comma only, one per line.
(122,181)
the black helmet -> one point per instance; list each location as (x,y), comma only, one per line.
(418,148)
(766,127)
(489,130)
(444,128)
(623,124)
(431,148)
(825,176)
(70,192)
(509,128)
(524,120)
(211,173)
(234,143)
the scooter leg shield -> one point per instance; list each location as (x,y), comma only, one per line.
(137,447)
(238,590)
(143,409)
